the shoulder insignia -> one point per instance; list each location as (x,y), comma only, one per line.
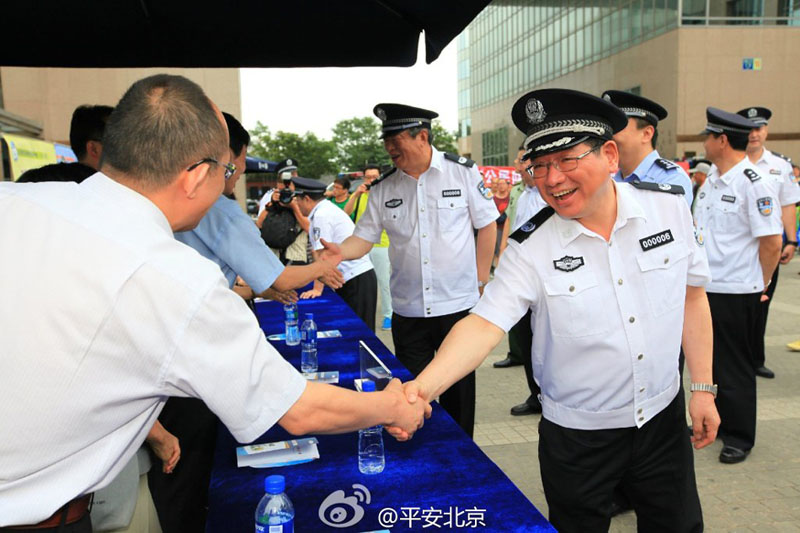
(751,174)
(532,225)
(666,164)
(660,187)
(785,158)
(460,159)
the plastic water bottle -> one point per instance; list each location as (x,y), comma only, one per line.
(292,331)
(308,342)
(275,513)
(370,443)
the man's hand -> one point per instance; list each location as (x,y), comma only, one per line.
(787,253)
(410,415)
(331,276)
(313,293)
(705,419)
(165,445)
(330,252)
(276,194)
(361,189)
(284,297)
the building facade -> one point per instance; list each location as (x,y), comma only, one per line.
(686,55)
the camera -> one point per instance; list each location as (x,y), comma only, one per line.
(285,196)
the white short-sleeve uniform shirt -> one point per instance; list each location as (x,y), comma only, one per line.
(607,316)
(731,212)
(330,223)
(778,173)
(430,224)
(104,316)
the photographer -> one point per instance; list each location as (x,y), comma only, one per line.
(283,227)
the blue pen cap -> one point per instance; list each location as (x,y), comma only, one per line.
(274,484)
(368,385)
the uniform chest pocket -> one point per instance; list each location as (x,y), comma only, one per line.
(395,220)
(664,273)
(451,213)
(575,305)
(726,214)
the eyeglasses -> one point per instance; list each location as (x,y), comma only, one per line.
(230,168)
(565,164)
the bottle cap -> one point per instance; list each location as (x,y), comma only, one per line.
(309,316)
(367,386)
(274,484)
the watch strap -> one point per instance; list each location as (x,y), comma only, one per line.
(704,387)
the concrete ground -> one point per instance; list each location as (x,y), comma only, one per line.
(760,494)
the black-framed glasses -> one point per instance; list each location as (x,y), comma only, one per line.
(565,164)
(230,168)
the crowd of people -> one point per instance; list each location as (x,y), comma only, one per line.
(609,268)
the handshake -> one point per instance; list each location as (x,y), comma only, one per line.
(410,408)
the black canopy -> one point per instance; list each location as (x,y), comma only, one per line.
(228,33)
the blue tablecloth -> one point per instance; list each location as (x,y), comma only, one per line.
(440,480)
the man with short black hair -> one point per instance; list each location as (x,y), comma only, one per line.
(341,192)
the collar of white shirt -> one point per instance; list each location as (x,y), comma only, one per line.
(123,197)
(627,208)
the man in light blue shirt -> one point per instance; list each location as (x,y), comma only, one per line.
(638,158)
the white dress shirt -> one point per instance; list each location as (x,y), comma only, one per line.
(607,316)
(332,224)
(778,173)
(430,224)
(529,203)
(104,316)
(731,212)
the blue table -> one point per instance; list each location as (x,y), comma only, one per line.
(440,480)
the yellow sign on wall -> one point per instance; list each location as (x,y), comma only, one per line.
(25,153)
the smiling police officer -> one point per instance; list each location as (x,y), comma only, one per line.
(614,280)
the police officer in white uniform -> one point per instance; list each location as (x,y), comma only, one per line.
(734,214)
(638,157)
(776,169)
(613,276)
(330,223)
(428,207)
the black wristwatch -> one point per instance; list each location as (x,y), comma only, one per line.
(793,243)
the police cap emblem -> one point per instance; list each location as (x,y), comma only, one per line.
(289,162)
(534,110)
(568,263)
(752,112)
(380,113)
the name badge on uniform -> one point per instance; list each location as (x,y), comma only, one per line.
(728,198)
(656,240)
(394,202)
(765,206)
(451,193)
(568,263)
(775,171)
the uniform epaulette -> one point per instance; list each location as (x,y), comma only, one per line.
(382,177)
(785,158)
(530,226)
(666,164)
(751,174)
(460,159)
(661,187)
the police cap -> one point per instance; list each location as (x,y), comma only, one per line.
(636,106)
(398,117)
(759,115)
(287,165)
(720,121)
(308,186)
(557,119)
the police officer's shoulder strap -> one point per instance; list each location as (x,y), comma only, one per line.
(751,174)
(666,164)
(460,159)
(381,178)
(531,225)
(660,187)
(785,158)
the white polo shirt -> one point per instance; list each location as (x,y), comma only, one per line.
(332,224)
(607,317)
(778,173)
(430,224)
(104,316)
(731,212)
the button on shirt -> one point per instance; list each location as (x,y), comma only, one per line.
(429,222)
(731,213)
(778,173)
(332,224)
(120,317)
(606,316)
(529,203)
(228,237)
(651,171)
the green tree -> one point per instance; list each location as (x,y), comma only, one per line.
(357,142)
(315,155)
(443,140)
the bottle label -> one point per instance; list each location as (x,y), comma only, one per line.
(286,527)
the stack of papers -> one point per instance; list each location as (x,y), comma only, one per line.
(271,454)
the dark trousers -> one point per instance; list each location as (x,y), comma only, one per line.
(654,465)
(733,316)
(759,356)
(416,341)
(181,498)
(84,525)
(520,338)
(361,294)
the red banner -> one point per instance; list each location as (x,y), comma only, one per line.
(491,174)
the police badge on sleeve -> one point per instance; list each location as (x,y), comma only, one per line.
(765,206)
(485,191)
